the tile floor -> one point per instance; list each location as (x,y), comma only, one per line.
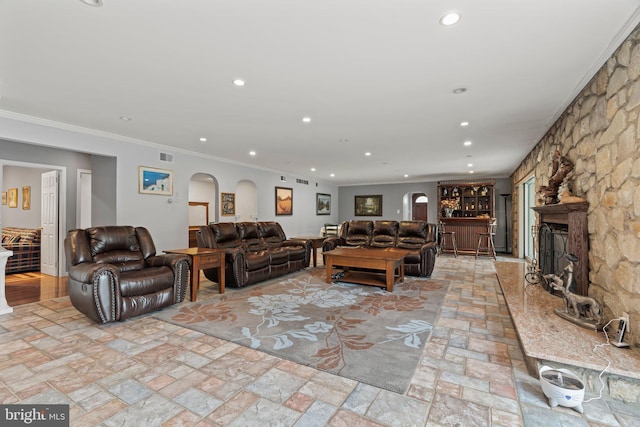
(145,372)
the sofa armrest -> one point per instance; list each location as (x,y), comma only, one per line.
(428,253)
(180,265)
(94,289)
(331,243)
(301,242)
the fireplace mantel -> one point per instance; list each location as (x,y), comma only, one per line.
(574,215)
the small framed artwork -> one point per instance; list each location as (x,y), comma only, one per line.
(26,198)
(4,197)
(368,205)
(12,197)
(284,201)
(155,181)
(323,204)
(228,203)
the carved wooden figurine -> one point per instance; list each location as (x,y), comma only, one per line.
(561,167)
(586,311)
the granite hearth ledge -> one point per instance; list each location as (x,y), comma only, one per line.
(546,337)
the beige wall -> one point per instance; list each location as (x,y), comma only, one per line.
(600,133)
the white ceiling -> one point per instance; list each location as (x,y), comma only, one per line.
(378,74)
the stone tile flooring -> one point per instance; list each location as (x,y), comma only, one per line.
(145,372)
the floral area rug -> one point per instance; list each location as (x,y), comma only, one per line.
(360,332)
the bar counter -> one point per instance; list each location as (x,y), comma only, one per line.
(467,230)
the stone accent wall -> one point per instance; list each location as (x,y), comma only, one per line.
(600,133)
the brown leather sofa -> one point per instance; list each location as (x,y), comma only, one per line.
(418,237)
(255,251)
(115,274)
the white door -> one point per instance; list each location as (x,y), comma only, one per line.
(49,224)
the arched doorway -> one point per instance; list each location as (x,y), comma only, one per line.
(246,201)
(419,206)
(203,203)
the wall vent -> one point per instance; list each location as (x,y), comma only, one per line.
(166,157)
(283,178)
(302,181)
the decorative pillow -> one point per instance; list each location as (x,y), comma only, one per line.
(11,238)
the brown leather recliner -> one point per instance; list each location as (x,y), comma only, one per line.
(115,274)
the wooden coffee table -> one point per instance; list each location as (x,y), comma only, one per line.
(385,260)
(202,258)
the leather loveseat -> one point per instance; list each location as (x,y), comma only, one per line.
(115,274)
(255,251)
(418,237)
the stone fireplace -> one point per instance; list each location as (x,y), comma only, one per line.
(562,230)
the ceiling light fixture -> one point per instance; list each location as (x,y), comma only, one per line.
(464,124)
(94,3)
(406,175)
(252,153)
(313,169)
(450,18)
(126,119)
(332,175)
(306,119)
(470,171)
(344,140)
(469,165)
(367,153)
(203,139)
(238,82)
(467,143)
(459,90)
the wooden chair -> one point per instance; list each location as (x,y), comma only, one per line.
(330,230)
(444,235)
(489,249)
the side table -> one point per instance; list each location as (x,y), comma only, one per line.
(202,258)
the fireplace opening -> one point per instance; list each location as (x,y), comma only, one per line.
(552,253)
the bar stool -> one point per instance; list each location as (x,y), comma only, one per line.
(489,249)
(444,234)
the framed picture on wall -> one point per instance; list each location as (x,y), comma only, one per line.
(26,197)
(284,201)
(228,204)
(4,197)
(323,204)
(368,205)
(155,181)
(12,197)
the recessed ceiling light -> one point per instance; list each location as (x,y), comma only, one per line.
(406,176)
(313,169)
(459,90)
(252,153)
(367,153)
(95,3)
(238,82)
(203,139)
(470,171)
(126,119)
(306,119)
(469,165)
(450,18)
(332,175)
(464,124)
(467,143)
